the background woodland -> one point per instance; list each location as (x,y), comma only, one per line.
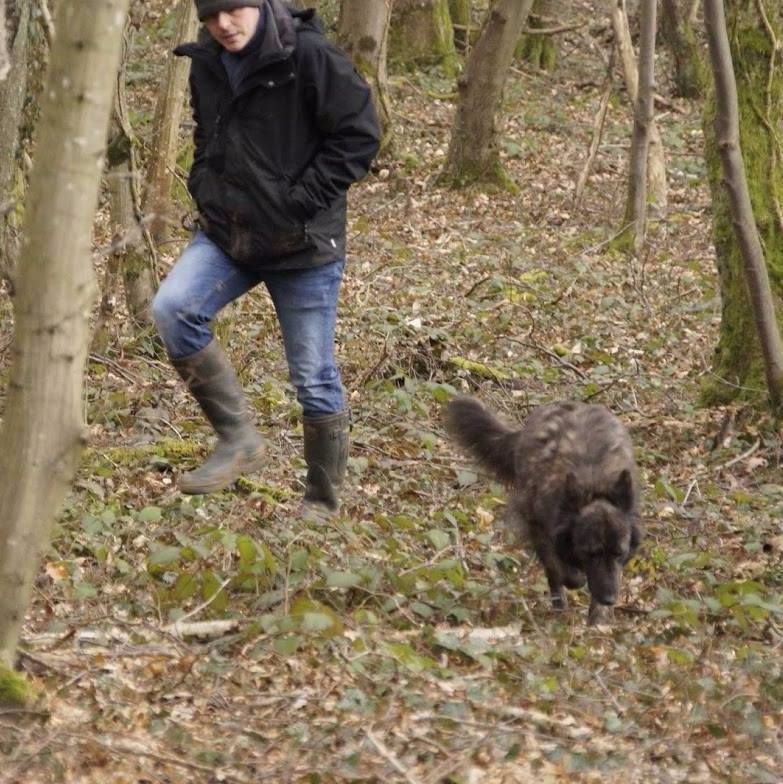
(557,213)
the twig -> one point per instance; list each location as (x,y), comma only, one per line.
(549,353)
(598,129)
(371,372)
(180,624)
(552,30)
(694,483)
(202,628)
(619,708)
(391,758)
(47,23)
(747,453)
(127,746)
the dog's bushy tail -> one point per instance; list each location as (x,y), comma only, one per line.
(483,435)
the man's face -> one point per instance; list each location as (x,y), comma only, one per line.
(233,29)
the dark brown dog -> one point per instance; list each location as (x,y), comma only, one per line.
(574,489)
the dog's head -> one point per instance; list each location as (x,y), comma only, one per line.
(599,534)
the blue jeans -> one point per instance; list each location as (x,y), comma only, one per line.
(205,279)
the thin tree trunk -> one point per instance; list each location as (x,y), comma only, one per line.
(363,31)
(129,253)
(656,161)
(165,130)
(644,118)
(12,97)
(43,428)
(5,60)
(473,150)
(736,185)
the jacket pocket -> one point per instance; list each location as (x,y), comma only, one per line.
(264,222)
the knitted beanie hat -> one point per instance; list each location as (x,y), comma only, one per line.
(206,8)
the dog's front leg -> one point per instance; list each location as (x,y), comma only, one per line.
(599,613)
(556,590)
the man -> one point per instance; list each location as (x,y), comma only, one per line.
(283,126)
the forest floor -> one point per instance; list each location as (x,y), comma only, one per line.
(409,640)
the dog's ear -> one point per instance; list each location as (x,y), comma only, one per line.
(621,495)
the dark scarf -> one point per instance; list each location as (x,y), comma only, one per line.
(234,62)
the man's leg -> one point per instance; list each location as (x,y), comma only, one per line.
(202,282)
(306,306)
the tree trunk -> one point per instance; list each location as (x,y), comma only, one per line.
(130,237)
(42,431)
(657,189)
(5,60)
(540,50)
(473,151)
(363,32)
(644,118)
(680,38)
(747,195)
(12,96)
(165,130)
(421,34)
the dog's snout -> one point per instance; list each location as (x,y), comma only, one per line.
(604,582)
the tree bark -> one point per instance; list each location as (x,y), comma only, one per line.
(644,118)
(43,430)
(540,50)
(5,60)
(678,34)
(746,117)
(363,32)
(473,151)
(131,243)
(657,189)
(421,33)
(165,129)
(12,96)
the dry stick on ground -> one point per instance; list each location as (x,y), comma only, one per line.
(391,758)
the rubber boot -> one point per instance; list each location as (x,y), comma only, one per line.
(326,455)
(240,448)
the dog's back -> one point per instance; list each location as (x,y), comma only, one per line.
(570,438)
(574,489)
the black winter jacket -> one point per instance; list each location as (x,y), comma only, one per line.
(273,161)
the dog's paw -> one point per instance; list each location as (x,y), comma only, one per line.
(600,614)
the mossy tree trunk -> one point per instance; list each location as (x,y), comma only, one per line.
(13,90)
(679,35)
(461,18)
(363,31)
(421,33)
(753,32)
(43,429)
(473,151)
(540,50)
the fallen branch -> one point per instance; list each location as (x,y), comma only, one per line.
(202,629)
(391,758)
